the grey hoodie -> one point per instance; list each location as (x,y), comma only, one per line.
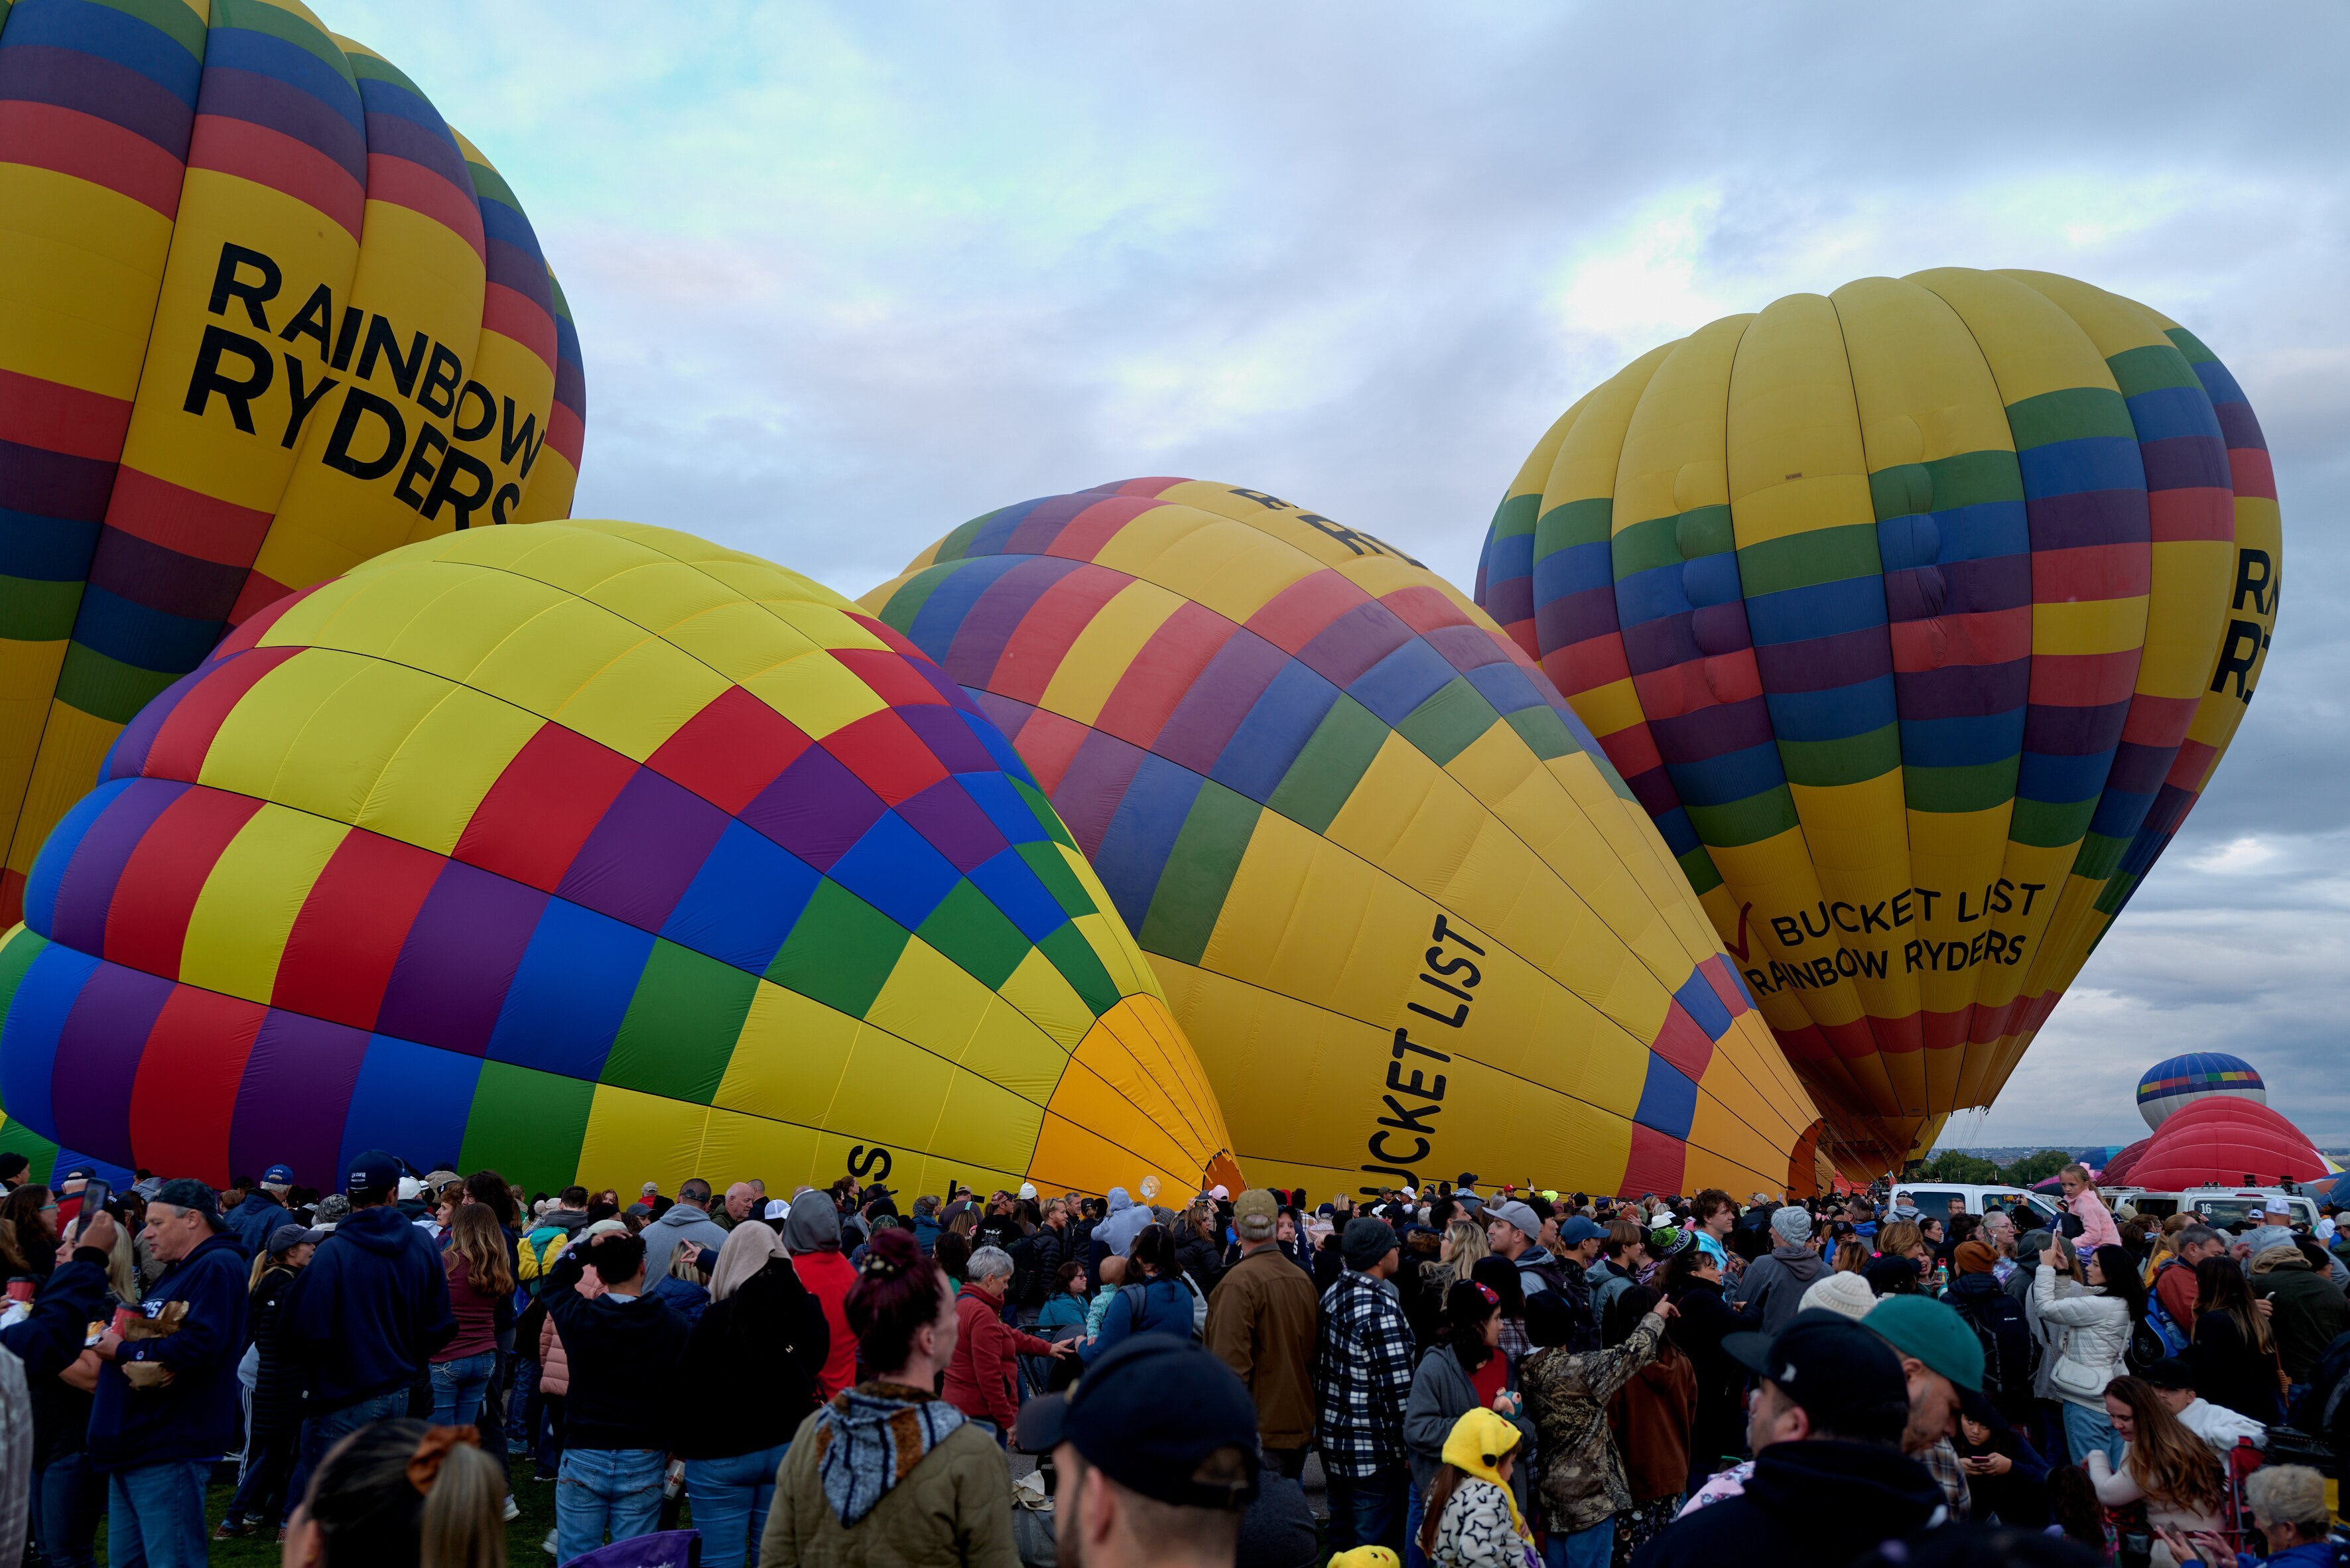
(1126,1221)
(1776,1282)
(681,1224)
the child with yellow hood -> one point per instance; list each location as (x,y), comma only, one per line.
(1472,1521)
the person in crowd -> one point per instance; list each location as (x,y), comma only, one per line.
(2308,1310)
(1106,1289)
(2233,1347)
(1199,1245)
(273,1435)
(1153,1448)
(2223,1429)
(367,1314)
(14,1168)
(89,1280)
(2082,1202)
(2095,1326)
(28,1217)
(954,1254)
(1649,1418)
(1851,1257)
(262,1213)
(1464,1370)
(686,1219)
(1901,1260)
(751,1373)
(2173,1279)
(1153,1300)
(1715,1212)
(1464,1243)
(478,1266)
(2290,1512)
(982,1376)
(1472,1519)
(2274,1229)
(1568,1392)
(1829,1479)
(1998,1320)
(1943,1364)
(1045,1249)
(1363,1373)
(1691,1281)
(811,1235)
(2163,1466)
(1068,1301)
(1902,1209)
(1776,1281)
(885,1472)
(1998,1234)
(1262,1318)
(742,1200)
(622,1347)
(400,1492)
(1622,1257)
(166,1404)
(1558,1299)
(2007,1478)
(1499,1276)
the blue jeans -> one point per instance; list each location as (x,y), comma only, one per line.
(2086,1431)
(320,1433)
(1369,1511)
(522,1406)
(600,1490)
(457,1388)
(260,1497)
(68,1499)
(155,1516)
(1580,1548)
(730,1500)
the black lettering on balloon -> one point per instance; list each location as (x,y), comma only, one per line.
(456,466)
(209,378)
(360,405)
(467,426)
(2255,580)
(382,343)
(229,284)
(527,441)
(509,497)
(430,444)
(304,397)
(312,320)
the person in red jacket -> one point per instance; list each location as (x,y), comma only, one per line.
(981,1378)
(812,1236)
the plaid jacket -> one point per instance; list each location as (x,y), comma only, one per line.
(1363,1374)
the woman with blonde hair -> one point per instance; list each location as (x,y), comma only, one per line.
(2165,1466)
(400,1494)
(481,1297)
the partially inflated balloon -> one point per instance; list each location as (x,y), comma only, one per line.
(1402,906)
(263,315)
(1917,615)
(586,851)
(2222,1143)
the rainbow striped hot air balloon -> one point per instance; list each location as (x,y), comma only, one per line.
(1402,906)
(590,852)
(1917,615)
(263,315)
(2177,1082)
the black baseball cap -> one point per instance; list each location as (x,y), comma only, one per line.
(374,1172)
(185,1192)
(2169,1372)
(1847,1380)
(1147,1415)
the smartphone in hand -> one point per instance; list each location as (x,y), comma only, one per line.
(95,1195)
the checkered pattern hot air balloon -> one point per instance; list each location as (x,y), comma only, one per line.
(1917,615)
(1400,903)
(586,851)
(263,315)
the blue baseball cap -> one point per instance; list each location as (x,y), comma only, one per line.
(374,1172)
(1577,1230)
(278,1176)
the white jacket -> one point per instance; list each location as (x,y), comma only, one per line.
(2097,1332)
(2221,1427)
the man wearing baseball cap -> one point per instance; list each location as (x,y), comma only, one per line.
(1260,1320)
(1156,1452)
(2216,1424)
(1942,1366)
(254,1220)
(1363,1366)
(1830,1480)
(1558,1300)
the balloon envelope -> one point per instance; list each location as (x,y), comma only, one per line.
(1399,902)
(592,852)
(2182,1081)
(2225,1143)
(1917,615)
(263,315)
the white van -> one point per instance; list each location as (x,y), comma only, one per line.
(2217,1205)
(2032,1210)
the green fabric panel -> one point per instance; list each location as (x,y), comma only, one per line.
(2191,346)
(107,688)
(1074,958)
(2100,856)
(491,186)
(528,1126)
(183,26)
(1448,721)
(1544,732)
(254,18)
(1058,879)
(33,610)
(1515,515)
(1584,522)
(15,956)
(1977,787)
(1198,873)
(2150,368)
(979,937)
(680,1026)
(1644,547)
(1326,773)
(1805,560)
(1699,867)
(953,546)
(375,69)
(1704,531)
(2069,414)
(1047,817)
(2051,825)
(1963,479)
(904,605)
(1852,759)
(840,953)
(1748,821)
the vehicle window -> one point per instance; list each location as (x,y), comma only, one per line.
(1933,1203)
(2227,1210)
(2042,1208)
(2156,1208)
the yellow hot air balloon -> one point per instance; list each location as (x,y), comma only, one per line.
(1402,905)
(1917,615)
(263,315)
(588,852)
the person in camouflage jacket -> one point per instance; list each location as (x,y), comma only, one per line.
(1567,1393)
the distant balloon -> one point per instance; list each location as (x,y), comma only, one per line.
(588,852)
(2181,1081)
(1917,615)
(263,315)
(1399,902)
(2226,1143)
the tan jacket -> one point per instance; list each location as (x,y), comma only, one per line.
(1262,1320)
(953,1508)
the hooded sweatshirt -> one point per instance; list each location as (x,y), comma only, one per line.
(623,1358)
(1115,1233)
(194,1416)
(812,1236)
(889,1474)
(682,1222)
(1819,1501)
(370,1311)
(1776,1282)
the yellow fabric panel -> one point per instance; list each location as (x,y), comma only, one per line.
(1006,1045)
(72,745)
(1091,668)
(1673,459)
(2186,612)
(1588,459)
(1229,570)
(79,269)
(986,1125)
(818,692)
(2089,626)
(930,1001)
(893,1093)
(2113,324)
(1355,958)
(2260,532)
(634,1137)
(781,1154)
(28,674)
(317,733)
(643,698)
(1609,708)
(435,781)
(238,931)
(1040,991)
(2030,345)
(1792,441)
(1920,385)
(789,1058)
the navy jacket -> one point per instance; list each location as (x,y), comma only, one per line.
(50,1339)
(194,1416)
(252,1221)
(370,1311)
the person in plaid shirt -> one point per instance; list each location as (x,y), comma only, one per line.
(1363,1370)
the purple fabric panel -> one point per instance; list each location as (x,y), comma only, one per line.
(644,852)
(1964,690)
(54,483)
(1466,647)
(460,955)
(98,1057)
(2089,517)
(2140,769)
(1354,641)
(948,735)
(2062,731)
(86,892)
(954,823)
(1654,790)
(1711,732)
(2241,429)
(1825,663)
(1662,643)
(997,613)
(1007,714)
(102,89)
(1576,617)
(1038,532)
(296,1094)
(817,809)
(292,111)
(2185,462)
(1093,786)
(1221,696)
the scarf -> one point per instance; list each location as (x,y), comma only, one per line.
(1475,1447)
(870,1437)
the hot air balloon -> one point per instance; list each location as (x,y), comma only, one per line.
(263,315)
(1917,615)
(2221,1143)
(1402,905)
(2182,1081)
(593,852)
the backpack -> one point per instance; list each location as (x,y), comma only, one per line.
(2009,1349)
(1138,1297)
(2148,1344)
(2158,1323)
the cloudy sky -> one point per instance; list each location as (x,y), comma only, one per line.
(848,275)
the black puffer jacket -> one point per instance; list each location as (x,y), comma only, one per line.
(748,1377)
(277,1375)
(1814,1504)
